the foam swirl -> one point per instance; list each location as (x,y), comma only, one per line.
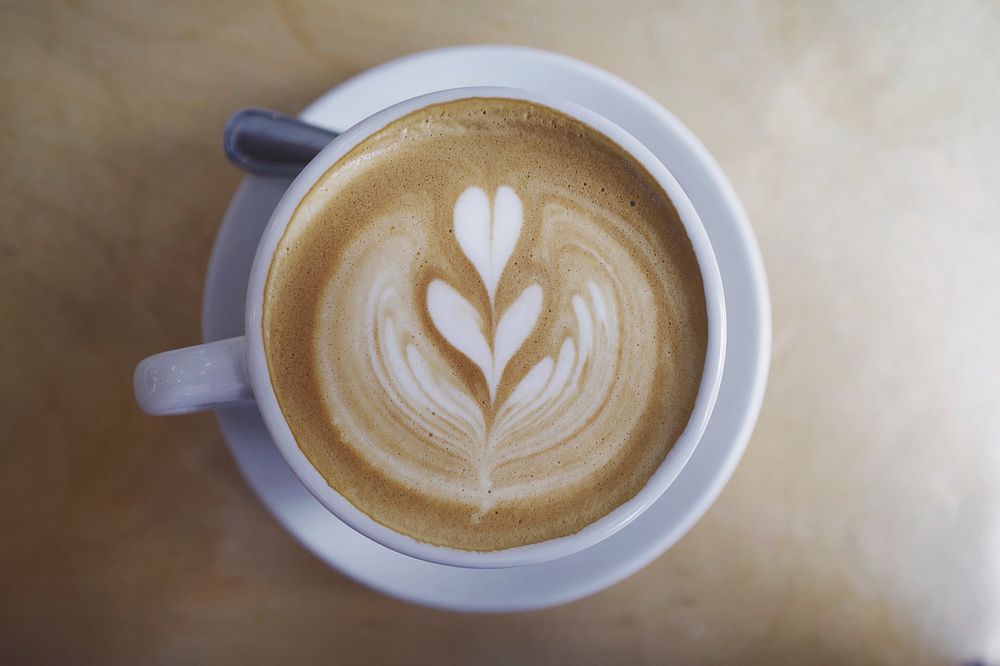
(532,413)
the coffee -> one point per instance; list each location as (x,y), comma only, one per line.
(485,325)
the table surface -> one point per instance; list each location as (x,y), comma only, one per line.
(863,525)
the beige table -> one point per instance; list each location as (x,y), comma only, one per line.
(863,525)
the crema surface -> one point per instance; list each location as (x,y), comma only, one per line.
(485,325)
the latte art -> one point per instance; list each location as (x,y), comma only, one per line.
(540,412)
(485,325)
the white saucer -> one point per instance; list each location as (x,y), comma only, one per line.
(744,377)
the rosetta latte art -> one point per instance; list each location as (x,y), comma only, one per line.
(443,439)
(548,405)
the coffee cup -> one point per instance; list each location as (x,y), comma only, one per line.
(237,370)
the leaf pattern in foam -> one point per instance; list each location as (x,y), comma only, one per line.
(552,392)
(514,328)
(460,324)
(548,405)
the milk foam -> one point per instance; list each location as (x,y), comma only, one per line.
(567,389)
(475,348)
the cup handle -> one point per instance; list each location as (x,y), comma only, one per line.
(194,379)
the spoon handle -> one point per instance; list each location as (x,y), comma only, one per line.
(271,143)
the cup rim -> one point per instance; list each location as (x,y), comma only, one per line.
(532,553)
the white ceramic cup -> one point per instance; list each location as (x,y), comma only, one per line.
(235,370)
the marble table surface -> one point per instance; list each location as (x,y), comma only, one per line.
(863,525)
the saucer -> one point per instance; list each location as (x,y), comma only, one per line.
(744,376)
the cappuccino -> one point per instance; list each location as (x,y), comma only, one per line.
(485,325)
